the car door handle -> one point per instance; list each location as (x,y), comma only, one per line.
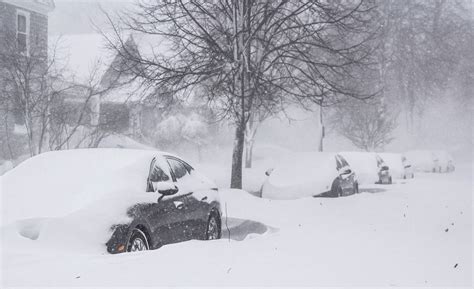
(179,205)
(203,199)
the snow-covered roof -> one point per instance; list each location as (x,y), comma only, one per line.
(130,92)
(88,58)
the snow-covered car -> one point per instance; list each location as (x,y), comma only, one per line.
(384,171)
(424,160)
(310,174)
(369,167)
(400,168)
(409,172)
(445,161)
(115,199)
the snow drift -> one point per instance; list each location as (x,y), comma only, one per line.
(74,197)
(302,175)
(365,166)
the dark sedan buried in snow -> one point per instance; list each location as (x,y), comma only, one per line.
(118,200)
(183,210)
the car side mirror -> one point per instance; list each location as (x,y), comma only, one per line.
(268,172)
(346,172)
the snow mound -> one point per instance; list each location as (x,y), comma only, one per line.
(423,160)
(57,183)
(302,175)
(364,164)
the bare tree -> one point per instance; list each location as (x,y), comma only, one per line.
(34,100)
(234,53)
(367,124)
(419,50)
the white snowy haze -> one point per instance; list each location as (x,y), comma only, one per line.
(129,153)
(442,121)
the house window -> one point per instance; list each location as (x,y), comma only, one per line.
(22,31)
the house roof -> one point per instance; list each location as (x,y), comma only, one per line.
(88,57)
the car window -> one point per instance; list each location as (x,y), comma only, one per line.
(178,168)
(338,163)
(343,162)
(380,161)
(157,174)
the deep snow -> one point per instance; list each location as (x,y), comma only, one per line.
(411,233)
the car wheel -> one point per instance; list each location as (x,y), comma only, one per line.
(390,180)
(213,231)
(137,241)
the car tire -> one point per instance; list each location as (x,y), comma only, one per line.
(213,228)
(339,192)
(390,180)
(138,241)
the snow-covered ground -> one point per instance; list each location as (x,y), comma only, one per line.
(412,233)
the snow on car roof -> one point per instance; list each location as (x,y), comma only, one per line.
(301,167)
(60,182)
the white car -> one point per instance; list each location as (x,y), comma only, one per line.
(310,174)
(431,161)
(445,161)
(400,167)
(369,167)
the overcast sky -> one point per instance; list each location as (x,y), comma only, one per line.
(75,16)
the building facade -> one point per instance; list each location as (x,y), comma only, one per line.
(23,49)
(25,21)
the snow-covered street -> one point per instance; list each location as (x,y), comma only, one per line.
(412,233)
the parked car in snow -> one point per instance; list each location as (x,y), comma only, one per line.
(369,167)
(445,161)
(310,174)
(425,160)
(400,168)
(125,200)
(384,172)
(408,170)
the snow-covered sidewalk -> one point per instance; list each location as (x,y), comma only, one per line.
(413,233)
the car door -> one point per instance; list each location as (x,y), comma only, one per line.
(197,198)
(167,214)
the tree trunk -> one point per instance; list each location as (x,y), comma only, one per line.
(237,155)
(248,154)
(321,126)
